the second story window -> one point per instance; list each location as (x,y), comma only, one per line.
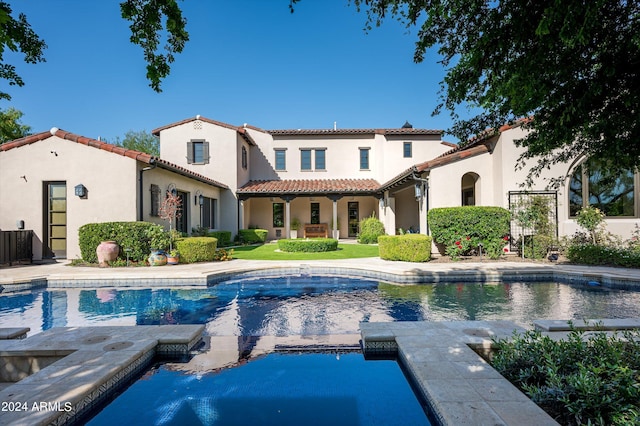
(197,152)
(281,159)
(321,159)
(244,158)
(364,158)
(406,150)
(305,159)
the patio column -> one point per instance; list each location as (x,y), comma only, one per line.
(334,229)
(287,215)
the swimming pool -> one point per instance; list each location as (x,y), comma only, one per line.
(314,305)
(277,389)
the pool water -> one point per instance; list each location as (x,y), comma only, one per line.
(278,389)
(311,305)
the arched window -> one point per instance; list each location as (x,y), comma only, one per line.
(468,185)
(591,184)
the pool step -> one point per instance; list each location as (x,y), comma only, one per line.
(588,325)
(10,333)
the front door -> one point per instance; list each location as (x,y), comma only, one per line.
(55,220)
(354,218)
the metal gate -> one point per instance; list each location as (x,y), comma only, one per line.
(16,246)
(520,201)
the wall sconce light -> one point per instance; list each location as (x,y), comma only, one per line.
(418,191)
(198,200)
(81,190)
(172,189)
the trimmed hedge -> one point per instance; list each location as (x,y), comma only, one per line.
(370,229)
(311,245)
(251,236)
(223,237)
(408,247)
(138,237)
(461,229)
(197,249)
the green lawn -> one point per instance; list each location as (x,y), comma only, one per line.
(268,252)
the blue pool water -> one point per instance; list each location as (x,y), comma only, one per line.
(279,389)
(311,305)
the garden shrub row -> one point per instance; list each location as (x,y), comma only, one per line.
(251,236)
(223,237)
(138,238)
(591,254)
(311,245)
(408,247)
(197,249)
(459,230)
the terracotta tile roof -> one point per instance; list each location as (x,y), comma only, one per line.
(341,132)
(310,186)
(240,129)
(136,155)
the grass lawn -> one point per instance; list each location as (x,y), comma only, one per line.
(268,252)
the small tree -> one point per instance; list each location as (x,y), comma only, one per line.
(590,218)
(170,210)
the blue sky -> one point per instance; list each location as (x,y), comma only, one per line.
(248,61)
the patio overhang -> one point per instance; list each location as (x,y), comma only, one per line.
(290,189)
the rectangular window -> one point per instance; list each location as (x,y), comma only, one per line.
(281,160)
(208,212)
(244,158)
(315,213)
(278,215)
(197,152)
(155,200)
(305,159)
(320,159)
(406,150)
(364,158)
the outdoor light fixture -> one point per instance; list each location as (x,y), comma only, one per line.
(81,190)
(172,189)
(201,199)
(418,191)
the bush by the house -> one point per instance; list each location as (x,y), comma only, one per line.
(311,245)
(591,254)
(461,229)
(138,238)
(251,236)
(535,246)
(408,247)
(223,237)
(370,229)
(583,379)
(197,249)
(223,255)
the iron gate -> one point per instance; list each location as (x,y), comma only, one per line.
(520,201)
(16,246)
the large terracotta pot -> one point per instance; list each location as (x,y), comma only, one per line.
(107,251)
(157,258)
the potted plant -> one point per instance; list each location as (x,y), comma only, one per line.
(173,257)
(295,226)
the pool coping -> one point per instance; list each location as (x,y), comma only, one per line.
(60,275)
(95,362)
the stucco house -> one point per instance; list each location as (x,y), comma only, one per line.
(236,177)
(54,182)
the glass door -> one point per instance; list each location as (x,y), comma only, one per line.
(182,224)
(55,220)
(354,218)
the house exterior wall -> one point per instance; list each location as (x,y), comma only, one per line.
(110,180)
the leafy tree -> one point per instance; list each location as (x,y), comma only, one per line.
(10,126)
(17,35)
(571,67)
(140,141)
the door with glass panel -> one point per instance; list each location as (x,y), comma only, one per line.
(55,220)
(353,213)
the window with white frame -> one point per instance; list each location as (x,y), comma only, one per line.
(364,158)
(198,152)
(305,159)
(407,151)
(321,159)
(281,159)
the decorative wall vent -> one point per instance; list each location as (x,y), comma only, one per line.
(197,125)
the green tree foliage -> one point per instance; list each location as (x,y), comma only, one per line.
(572,67)
(140,141)
(10,126)
(16,35)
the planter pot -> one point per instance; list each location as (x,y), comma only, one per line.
(173,260)
(107,251)
(336,234)
(294,233)
(157,258)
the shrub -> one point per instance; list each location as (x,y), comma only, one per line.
(138,237)
(408,247)
(223,237)
(461,229)
(590,218)
(197,249)
(591,254)
(583,379)
(311,245)
(370,229)
(535,246)
(251,236)
(222,255)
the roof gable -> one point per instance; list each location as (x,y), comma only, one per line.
(241,130)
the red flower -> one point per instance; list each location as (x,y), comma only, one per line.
(506,238)
(506,250)
(468,238)
(458,243)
